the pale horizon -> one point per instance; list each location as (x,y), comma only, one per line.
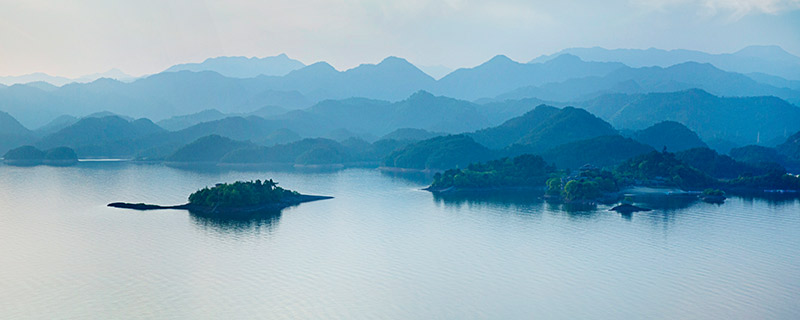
(141,39)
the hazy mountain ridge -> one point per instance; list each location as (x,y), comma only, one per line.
(684,76)
(566,78)
(669,135)
(12,133)
(766,59)
(742,120)
(243,67)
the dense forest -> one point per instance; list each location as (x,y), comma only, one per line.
(240,194)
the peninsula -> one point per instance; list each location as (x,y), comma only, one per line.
(237,197)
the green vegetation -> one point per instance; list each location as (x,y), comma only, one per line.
(240,194)
(776,180)
(576,190)
(588,184)
(662,169)
(521,171)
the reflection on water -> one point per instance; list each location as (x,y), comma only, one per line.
(665,202)
(239,222)
(381,249)
(419,177)
(497,199)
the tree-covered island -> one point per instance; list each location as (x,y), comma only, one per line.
(237,197)
(592,185)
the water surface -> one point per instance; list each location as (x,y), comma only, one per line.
(381,249)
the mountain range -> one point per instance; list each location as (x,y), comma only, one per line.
(771,60)
(243,67)
(737,120)
(562,79)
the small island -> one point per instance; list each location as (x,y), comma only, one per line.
(237,197)
(32,156)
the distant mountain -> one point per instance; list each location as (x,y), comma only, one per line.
(157,97)
(435,113)
(671,135)
(501,74)
(439,153)
(41,85)
(268,111)
(602,151)
(437,71)
(342,134)
(791,148)
(410,134)
(766,157)
(56,125)
(514,129)
(391,79)
(304,152)
(236,128)
(684,76)
(775,81)
(753,154)
(115,74)
(107,136)
(498,111)
(765,59)
(208,149)
(12,133)
(183,122)
(566,78)
(44,80)
(421,110)
(171,94)
(35,77)
(103,114)
(280,136)
(740,120)
(243,67)
(10,126)
(544,128)
(717,165)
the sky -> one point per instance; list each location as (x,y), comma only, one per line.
(77,37)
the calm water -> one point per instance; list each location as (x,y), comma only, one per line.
(380,249)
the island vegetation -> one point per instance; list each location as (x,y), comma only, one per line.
(234,198)
(522,171)
(240,194)
(31,156)
(590,184)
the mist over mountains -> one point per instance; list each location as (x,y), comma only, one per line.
(562,79)
(572,109)
(753,59)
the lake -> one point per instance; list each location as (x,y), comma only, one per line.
(382,249)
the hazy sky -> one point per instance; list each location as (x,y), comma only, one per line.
(78,37)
